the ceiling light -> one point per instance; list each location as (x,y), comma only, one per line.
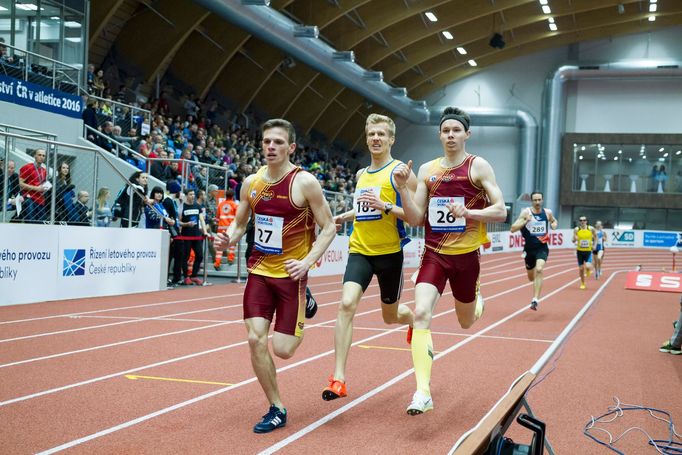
(462,51)
(73,40)
(652,18)
(652,1)
(543,2)
(580,157)
(447,35)
(582,148)
(472,62)
(615,158)
(620,152)
(27,6)
(644,157)
(652,8)
(665,155)
(679,152)
(661,149)
(432,17)
(54,18)
(72,24)
(551,20)
(552,27)
(661,160)
(546,9)
(630,160)
(2,8)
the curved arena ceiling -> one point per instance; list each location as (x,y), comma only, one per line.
(182,41)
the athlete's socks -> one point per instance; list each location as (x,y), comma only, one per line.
(422,356)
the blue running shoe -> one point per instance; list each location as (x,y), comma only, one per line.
(271,421)
(310,304)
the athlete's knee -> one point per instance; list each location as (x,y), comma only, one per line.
(539,268)
(347,306)
(465,322)
(257,342)
(284,352)
(422,315)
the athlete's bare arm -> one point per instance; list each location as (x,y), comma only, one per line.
(408,183)
(575,235)
(414,202)
(307,189)
(524,217)
(483,175)
(553,223)
(238,227)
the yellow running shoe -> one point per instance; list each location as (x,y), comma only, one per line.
(582,286)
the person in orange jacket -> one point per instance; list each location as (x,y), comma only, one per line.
(225,213)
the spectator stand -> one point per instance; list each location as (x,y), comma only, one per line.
(14,148)
(32,67)
(75,173)
(127,116)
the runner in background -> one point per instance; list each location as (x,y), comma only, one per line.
(584,236)
(598,251)
(534,224)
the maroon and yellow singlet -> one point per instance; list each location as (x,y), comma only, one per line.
(283,230)
(446,234)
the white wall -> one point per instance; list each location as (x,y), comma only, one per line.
(608,106)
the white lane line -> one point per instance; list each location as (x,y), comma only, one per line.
(205,310)
(219,323)
(91,327)
(132,307)
(455,334)
(149,319)
(304,431)
(279,370)
(164,362)
(119,343)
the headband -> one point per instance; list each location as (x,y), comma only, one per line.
(459,118)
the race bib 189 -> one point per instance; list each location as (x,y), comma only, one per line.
(268,238)
(440,218)
(363,212)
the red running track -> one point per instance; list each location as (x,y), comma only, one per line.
(169,372)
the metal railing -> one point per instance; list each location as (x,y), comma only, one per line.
(36,68)
(127,116)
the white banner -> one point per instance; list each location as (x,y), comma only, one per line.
(41,263)
(333,261)
(28,258)
(97,261)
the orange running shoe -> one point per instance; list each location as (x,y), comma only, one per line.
(409,334)
(336,389)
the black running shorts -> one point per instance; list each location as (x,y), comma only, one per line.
(533,254)
(387,267)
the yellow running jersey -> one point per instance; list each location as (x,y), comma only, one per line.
(584,242)
(375,232)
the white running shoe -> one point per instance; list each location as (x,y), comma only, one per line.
(534,304)
(420,403)
(480,306)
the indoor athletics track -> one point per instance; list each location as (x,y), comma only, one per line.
(169,372)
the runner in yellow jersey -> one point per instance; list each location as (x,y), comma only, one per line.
(584,236)
(375,245)
(456,195)
(286,202)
